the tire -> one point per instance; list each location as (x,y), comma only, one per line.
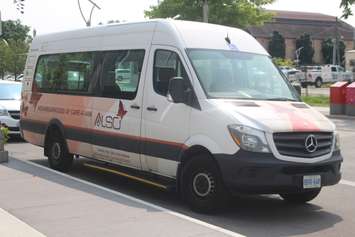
(58,155)
(318,83)
(202,186)
(301,197)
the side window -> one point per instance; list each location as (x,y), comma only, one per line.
(166,66)
(334,69)
(121,73)
(66,73)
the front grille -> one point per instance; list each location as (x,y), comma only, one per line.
(15,114)
(293,144)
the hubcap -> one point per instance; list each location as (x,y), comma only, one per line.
(203,184)
(56,151)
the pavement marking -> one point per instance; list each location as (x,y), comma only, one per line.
(346,182)
(168,211)
(13,227)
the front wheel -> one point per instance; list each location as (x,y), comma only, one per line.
(203,188)
(58,155)
(301,197)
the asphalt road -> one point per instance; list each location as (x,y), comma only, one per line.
(331,214)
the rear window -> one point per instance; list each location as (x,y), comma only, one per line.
(69,72)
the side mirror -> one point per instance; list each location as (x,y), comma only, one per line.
(177,90)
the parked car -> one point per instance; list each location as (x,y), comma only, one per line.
(333,73)
(10,102)
(318,75)
(19,77)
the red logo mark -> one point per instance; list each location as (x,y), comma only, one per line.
(121,111)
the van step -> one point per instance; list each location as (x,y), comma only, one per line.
(161,183)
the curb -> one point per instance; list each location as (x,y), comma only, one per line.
(4,156)
(344,117)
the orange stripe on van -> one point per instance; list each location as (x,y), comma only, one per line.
(115,134)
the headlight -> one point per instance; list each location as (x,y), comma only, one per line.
(249,139)
(3,111)
(337,141)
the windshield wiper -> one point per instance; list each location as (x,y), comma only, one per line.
(281,99)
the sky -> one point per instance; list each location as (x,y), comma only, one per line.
(48,16)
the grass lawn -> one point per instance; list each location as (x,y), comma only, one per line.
(319,100)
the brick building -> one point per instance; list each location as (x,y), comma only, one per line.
(293,24)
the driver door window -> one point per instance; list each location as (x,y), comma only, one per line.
(166,66)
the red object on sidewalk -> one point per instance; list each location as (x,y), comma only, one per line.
(350,99)
(337,97)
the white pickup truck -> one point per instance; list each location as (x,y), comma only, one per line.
(317,75)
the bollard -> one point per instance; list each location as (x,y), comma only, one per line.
(4,155)
(337,97)
(350,100)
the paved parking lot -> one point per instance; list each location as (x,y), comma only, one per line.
(331,214)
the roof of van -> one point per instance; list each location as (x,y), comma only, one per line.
(176,33)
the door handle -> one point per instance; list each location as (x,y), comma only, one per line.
(135,107)
(152,108)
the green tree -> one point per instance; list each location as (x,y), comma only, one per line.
(4,51)
(14,44)
(277,45)
(15,57)
(327,50)
(15,30)
(307,52)
(236,13)
(346,5)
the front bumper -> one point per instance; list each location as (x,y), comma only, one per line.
(260,173)
(12,124)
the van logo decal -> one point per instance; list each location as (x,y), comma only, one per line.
(121,111)
(111,121)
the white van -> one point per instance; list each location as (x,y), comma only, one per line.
(203,110)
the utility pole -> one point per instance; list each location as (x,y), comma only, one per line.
(88,21)
(0,25)
(336,54)
(205,11)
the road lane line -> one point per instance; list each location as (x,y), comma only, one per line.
(346,182)
(13,227)
(165,210)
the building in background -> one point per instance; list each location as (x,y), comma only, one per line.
(291,25)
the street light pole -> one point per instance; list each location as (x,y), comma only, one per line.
(205,11)
(88,21)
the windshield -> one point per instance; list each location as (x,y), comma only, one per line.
(238,75)
(9,91)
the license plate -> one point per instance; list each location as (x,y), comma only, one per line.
(311,181)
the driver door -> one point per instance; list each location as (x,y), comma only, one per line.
(165,125)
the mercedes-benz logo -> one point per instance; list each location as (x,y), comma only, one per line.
(311,143)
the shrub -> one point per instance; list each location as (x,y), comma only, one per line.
(5,133)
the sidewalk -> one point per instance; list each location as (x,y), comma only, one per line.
(326,111)
(53,204)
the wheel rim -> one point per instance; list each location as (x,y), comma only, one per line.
(203,184)
(56,151)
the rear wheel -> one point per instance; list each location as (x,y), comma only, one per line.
(301,197)
(203,188)
(58,155)
(304,85)
(318,82)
